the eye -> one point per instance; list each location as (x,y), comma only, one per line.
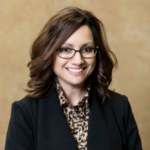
(65,49)
(87,49)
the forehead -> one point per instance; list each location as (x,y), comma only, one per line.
(81,36)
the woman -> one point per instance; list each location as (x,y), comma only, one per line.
(69,106)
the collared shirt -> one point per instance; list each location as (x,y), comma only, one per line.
(76,116)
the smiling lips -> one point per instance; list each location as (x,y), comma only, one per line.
(76,71)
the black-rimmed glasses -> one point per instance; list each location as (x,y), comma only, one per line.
(69,52)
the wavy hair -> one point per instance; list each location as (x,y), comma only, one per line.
(56,31)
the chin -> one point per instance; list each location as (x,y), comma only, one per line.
(77,82)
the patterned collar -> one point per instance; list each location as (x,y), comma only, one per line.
(64,102)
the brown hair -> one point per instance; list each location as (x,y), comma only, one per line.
(57,30)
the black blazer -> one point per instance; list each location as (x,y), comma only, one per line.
(41,125)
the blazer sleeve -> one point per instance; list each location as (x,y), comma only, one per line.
(19,135)
(131,129)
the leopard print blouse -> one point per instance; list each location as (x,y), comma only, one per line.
(76,116)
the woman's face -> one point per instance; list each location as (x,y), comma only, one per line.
(74,71)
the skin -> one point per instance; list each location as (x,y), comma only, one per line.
(74,85)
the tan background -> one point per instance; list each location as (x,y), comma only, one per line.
(128,29)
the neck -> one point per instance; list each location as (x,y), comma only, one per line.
(73,93)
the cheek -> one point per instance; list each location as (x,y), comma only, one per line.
(93,64)
(58,63)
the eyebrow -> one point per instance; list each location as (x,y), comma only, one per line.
(82,45)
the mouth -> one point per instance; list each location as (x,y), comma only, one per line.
(76,70)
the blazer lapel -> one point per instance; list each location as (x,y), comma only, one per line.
(103,133)
(56,127)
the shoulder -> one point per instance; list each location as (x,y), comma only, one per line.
(120,105)
(25,102)
(118,99)
(31,105)
(26,107)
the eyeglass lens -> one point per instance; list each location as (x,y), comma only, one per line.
(68,53)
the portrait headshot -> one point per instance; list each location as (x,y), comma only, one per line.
(75,84)
(68,105)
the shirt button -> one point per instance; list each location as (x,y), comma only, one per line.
(80,133)
(75,115)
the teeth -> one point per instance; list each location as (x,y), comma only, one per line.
(75,70)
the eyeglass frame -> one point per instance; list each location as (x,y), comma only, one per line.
(75,53)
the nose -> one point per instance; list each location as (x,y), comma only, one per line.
(77,59)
